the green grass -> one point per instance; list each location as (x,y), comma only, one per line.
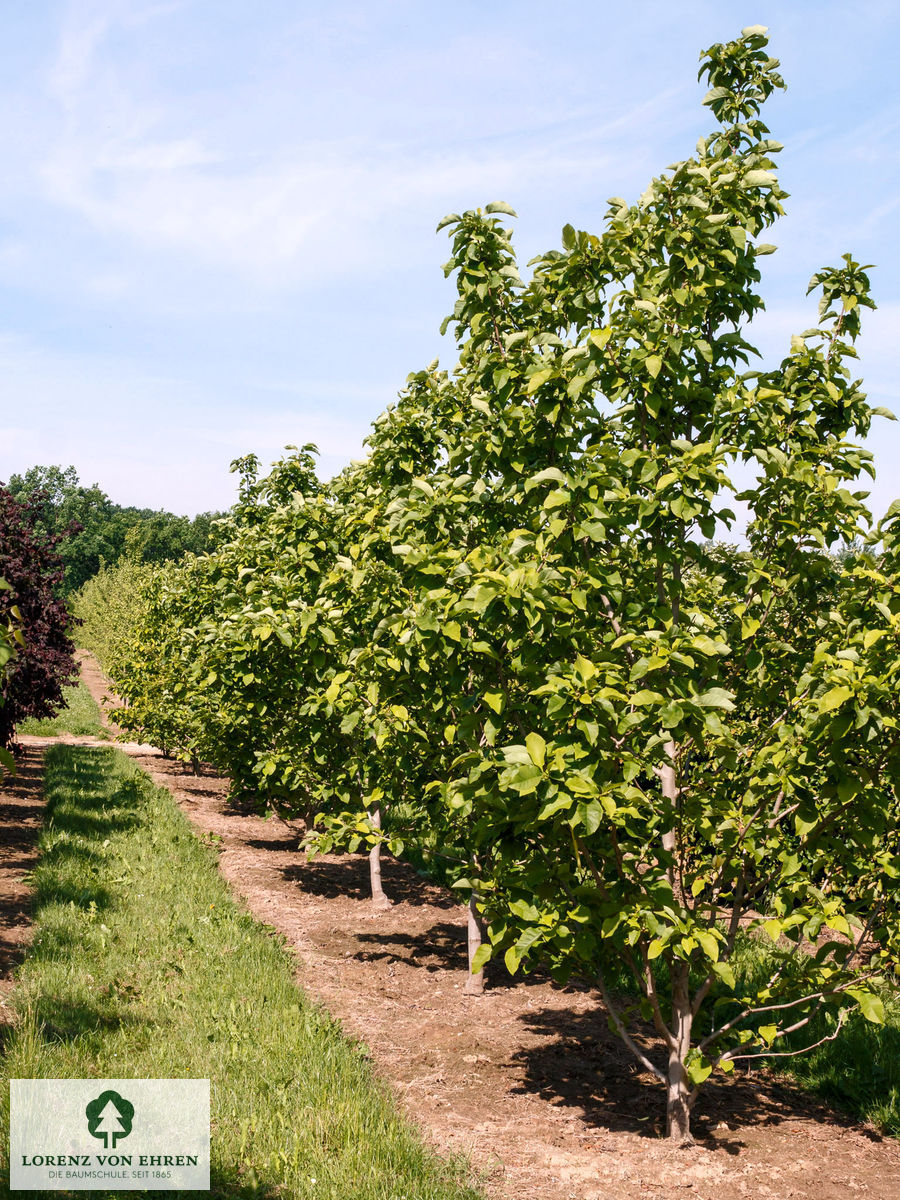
(142,966)
(859,1071)
(81,715)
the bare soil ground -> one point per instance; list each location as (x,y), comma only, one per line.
(527,1080)
(21,813)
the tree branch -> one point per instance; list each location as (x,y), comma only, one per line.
(729,1057)
(624,1034)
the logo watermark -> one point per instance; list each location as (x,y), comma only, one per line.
(56,1125)
(109,1116)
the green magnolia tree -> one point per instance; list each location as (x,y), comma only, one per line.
(181,639)
(381,687)
(665,751)
(109,606)
(517,633)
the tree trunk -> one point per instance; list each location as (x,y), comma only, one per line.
(670,791)
(678,1104)
(475,980)
(678,1091)
(379,899)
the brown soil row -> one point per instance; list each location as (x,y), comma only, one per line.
(21,814)
(527,1080)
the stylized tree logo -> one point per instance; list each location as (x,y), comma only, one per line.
(109,1116)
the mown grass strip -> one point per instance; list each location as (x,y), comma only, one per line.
(142,966)
(80,716)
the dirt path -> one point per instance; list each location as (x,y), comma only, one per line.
(99,687)
(527,1080)
(21,813)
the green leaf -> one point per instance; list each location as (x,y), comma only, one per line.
(759,179)
(725,972)
(537,748)
(512,958)
(555,805)
(708,944)
(494,700)
(698,1071)
(768,1033)
(749,626)
(500,206)
(653,363)
(481,956)
(716,698)
(548,475)
(870,1005)
(537,379)
(450,219)
(644,697)
(834,698)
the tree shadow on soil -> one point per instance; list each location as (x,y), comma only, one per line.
(347,877)
(442,947)
(580,1063)
(287,843)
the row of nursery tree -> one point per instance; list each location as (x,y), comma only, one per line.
(513,641)
(92,531)
(55,535)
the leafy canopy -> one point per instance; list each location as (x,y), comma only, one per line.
(520,624)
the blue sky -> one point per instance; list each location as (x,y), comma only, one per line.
(217,217)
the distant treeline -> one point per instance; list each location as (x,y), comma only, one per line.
(98,532)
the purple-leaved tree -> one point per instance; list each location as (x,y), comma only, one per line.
(30,563)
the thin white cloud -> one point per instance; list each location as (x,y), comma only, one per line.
(142,435)
(128,162)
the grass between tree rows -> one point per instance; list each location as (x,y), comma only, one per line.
(79,716)
(142,966)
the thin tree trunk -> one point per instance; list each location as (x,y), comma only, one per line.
(379,899)
(670,791)
(678,1090)
(474,980)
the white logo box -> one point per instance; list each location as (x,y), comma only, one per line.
(110,1134)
